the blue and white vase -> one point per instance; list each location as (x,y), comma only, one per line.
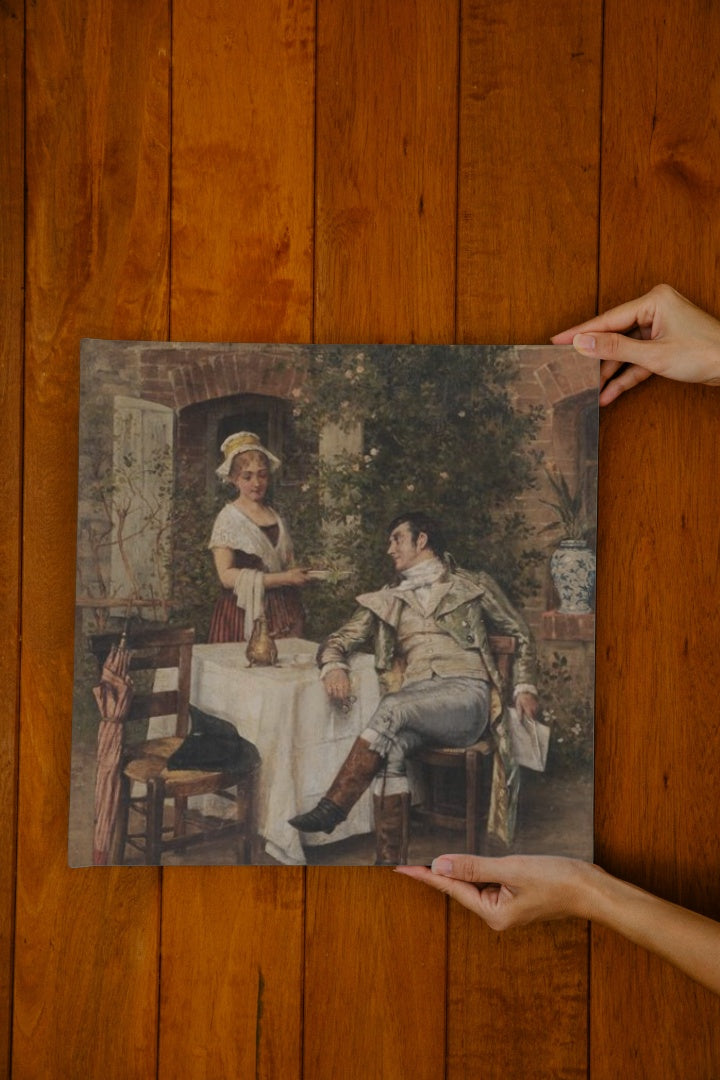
(572,567)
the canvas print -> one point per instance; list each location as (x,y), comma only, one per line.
(335,604)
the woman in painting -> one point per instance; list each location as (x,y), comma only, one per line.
(252,550)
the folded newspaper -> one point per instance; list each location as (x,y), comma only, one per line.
(530,740)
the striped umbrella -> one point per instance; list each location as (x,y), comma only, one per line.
(114,697)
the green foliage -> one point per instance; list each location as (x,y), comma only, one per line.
(570,512)
(424,428)
(195,585)
(570,711)
(427,428)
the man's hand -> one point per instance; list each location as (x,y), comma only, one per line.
(337,685)
(511,891)
(659,333)
(527,705)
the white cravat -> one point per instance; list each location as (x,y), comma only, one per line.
(420,580)
(423,573)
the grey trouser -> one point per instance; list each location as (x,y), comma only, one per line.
(442,711)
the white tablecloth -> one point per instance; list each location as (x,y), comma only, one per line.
(301,737)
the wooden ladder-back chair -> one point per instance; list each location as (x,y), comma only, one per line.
(445,765)
(145,763)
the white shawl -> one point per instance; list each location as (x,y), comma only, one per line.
(234,529)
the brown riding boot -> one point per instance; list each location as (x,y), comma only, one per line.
(392,821)
(355,774)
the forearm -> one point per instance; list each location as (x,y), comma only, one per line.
(276,580)
(689,941)
(230,576)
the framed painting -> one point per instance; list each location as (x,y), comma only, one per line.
(335,604)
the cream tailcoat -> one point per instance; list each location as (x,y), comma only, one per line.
(469,610)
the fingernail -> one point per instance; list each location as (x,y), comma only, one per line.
(441,866)
(585,341)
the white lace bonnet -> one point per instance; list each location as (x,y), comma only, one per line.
(240,443)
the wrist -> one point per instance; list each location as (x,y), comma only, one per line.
(587,890)
(332,665)
(605,898)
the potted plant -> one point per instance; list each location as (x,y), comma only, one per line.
(572,564)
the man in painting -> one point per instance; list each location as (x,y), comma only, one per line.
(432,628)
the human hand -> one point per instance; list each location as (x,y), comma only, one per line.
(296,576)
(514,890)
(660,333)
(522,889)
(337,685)
(527,705)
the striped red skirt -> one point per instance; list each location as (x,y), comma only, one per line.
(283,609)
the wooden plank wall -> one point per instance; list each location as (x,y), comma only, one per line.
(658,781)
(371,170)
(97,241)
(12,274)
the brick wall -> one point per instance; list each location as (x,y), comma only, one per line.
(203,383)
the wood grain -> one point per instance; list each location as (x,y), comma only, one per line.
(529,158)
(517,1002)
(385,256)
(421,236)
(658,748)
(660,150)
(97,233)
(375,976)
(12,218)
(243,108)
(386,172)
(231,988)
(657,788)
(527,243)
(243,137)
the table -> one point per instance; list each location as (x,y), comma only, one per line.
(302,738)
